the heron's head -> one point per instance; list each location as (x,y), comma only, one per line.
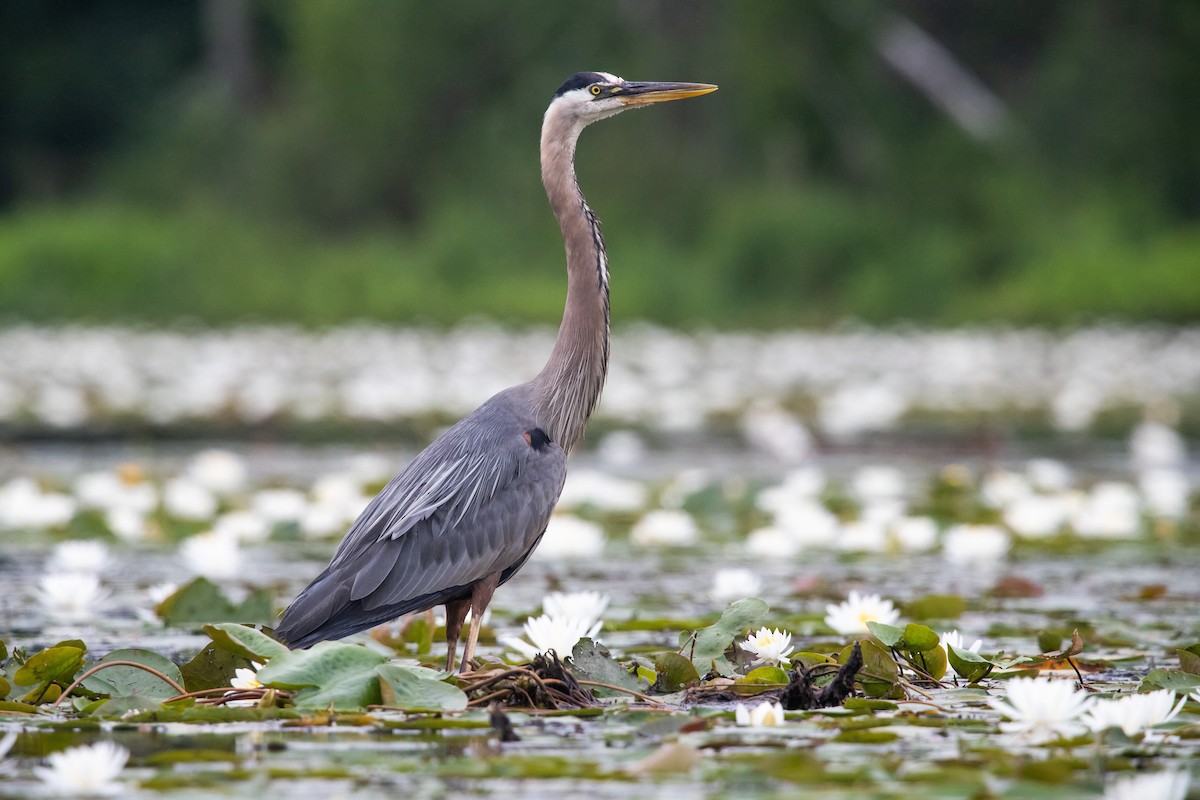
(589,96)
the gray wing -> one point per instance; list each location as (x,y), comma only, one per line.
(474,502)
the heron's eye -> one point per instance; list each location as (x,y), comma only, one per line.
(596,90)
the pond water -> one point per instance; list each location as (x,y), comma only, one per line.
(1026,522)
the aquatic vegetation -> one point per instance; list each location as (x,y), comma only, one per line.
(89,770)
(764,715)
(858,609)
(586,606)
(1165,785)
(213,555)
(1020,554)
(1135,713)
(665,528)
(1042,709)
(732,583)
(769,646)
(71,596)
(557,634)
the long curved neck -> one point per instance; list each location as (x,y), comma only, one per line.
(568,387)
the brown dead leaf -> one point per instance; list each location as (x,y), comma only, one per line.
(1016,586)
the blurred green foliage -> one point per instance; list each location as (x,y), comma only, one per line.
(328,160)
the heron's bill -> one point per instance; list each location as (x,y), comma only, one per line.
(642,94)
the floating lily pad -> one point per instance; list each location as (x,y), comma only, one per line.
(124,706)
(1174,679)
(202,601)
(418,689)
(330,674)
(968,665)
(936,606)
(890,635)
(1189,659)
(59,663)
(707,649)
(769,676)
(125,681)
(674,673)
(592,661)
(245,641)
(212,668)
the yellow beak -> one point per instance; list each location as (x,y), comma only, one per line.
(643,94)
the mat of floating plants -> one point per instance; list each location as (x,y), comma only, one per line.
(779,607)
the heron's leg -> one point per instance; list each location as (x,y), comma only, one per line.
(481,595)
(456,612)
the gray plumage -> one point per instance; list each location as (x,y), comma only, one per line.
(468,511)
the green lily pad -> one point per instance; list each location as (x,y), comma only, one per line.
(124,681)
(1174,679)
(707,650)
(918,639)
(890,635)
(936,606)
(58,663)
(764,675)
(124,706)
(202,601)
(591,661)
(330,674)
(1189,659)
(932,662)
(418,689)
(674,673)
(245,641)
(212,668)
(968,665)
(880,674)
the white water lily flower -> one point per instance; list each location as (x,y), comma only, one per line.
(247,678)
(1042,709)
(279,505)
(771,542)
(105,491)
(214,555)
(769,646)
(161,591)
(569,536)
(23,504)
(877,482)
(914,534)
(87,770)
(1049,475)
(954,639)
(80,556)
(863,536)
(587,606)
(1167,785)
(243,526)
(735,583)
(127,524)
(7,742)
(602,491)
(1038,515)
(853,615)
(547,633)
(765,714)
(219,470)
(1112,510)
(1134,713)
(184,498)
(976,544)
(71,596)
(664,528)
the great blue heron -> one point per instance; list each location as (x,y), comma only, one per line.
(467,512)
